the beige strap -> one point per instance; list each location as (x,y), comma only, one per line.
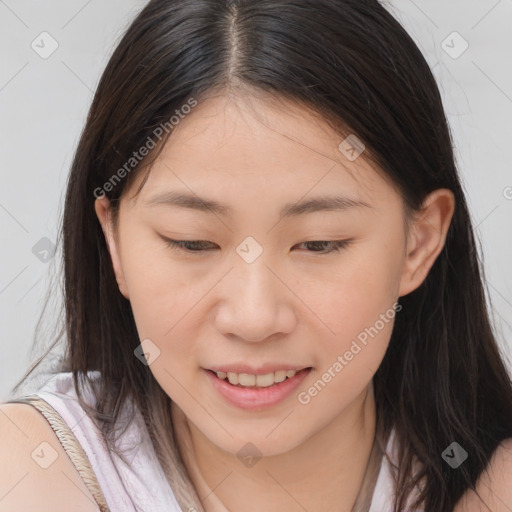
(70,443)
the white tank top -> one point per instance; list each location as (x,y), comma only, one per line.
(142,485)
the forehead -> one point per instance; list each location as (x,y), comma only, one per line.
(243,148)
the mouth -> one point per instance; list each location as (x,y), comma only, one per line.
(256,392)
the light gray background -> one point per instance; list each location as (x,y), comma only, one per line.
(44,103)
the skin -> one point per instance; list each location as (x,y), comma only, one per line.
(292,305)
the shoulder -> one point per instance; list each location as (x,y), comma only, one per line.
(494,485)
(35,470)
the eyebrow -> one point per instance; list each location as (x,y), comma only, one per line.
(316,204)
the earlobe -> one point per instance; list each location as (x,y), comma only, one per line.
(104,214)
(426,238)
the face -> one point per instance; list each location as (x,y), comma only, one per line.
(255,287)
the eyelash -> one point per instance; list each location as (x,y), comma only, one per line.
(181,245)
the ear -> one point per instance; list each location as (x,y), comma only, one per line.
(104,213)
(426,238)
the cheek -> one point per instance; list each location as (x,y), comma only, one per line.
(159,292)
(359,306)
(364,286)
(162,301)
(167,298)
(362,316)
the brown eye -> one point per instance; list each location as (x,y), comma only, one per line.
(335,246)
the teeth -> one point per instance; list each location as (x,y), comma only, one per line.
(233,378)
(263,381)
(280,375)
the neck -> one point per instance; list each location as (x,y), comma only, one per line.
(324,473)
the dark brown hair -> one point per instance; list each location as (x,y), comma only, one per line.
(443,378)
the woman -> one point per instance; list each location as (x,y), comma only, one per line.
(268,252)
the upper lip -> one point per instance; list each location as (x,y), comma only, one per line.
(261,370)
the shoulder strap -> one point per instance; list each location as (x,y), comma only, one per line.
(70,443)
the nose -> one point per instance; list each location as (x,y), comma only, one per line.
(254,303)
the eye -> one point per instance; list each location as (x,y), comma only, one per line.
(187,245)
(335,246)
(199,246)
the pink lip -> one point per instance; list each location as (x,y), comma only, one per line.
(257,398)
(262,370)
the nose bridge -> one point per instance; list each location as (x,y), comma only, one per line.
(256,282)
(256,286)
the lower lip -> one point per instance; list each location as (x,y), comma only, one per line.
(257,398)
